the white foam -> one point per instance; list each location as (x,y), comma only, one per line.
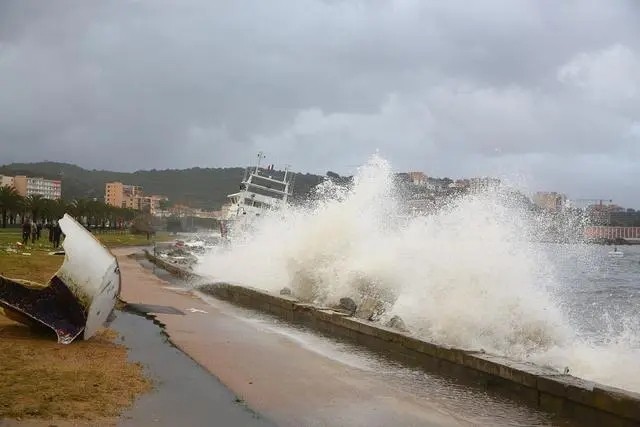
(466,277)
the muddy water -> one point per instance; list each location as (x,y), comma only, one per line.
(184,394)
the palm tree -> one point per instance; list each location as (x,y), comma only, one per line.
(97,212)
(34,204)
(18,211)
(80,210)
(47,209)
(60,207)
(9,203)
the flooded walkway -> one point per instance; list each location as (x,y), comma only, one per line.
(184,393)
(295,378)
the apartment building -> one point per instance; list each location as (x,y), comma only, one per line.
(6,181)
(131,197)
(31,186)
(550,201)
(417,178)
(122,195)
(151,203)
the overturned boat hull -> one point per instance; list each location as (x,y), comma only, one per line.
(78,299)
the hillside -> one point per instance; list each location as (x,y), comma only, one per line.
(205,188)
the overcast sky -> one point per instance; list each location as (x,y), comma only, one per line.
(545,92)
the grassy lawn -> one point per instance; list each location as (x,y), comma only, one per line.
(85,380)
(11,236)
(128,239)
(41,379)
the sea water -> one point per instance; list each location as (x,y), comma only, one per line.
(469,276)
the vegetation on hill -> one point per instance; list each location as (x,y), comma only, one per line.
(205,188)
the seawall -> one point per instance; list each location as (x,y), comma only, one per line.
(587,402)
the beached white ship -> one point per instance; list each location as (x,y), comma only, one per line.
(261,190)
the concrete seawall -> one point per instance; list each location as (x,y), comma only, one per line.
(587,402)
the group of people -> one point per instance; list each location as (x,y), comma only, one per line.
(33,230)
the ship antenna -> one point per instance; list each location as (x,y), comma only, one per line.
(260,157)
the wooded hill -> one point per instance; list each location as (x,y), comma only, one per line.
(205,188)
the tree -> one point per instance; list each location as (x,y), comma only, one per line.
(47,209)
(60,207)
(10,202)
(33,204)
(80,210)
(99,213)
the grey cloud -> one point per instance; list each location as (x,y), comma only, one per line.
(451,87)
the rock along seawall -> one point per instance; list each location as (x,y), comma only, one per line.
(585,401)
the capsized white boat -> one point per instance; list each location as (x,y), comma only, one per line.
(78,299)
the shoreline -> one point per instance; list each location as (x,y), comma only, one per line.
(552,391)
(281,375)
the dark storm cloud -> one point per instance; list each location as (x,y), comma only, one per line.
(542,89)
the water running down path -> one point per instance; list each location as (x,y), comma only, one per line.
(468,276)
(295,378)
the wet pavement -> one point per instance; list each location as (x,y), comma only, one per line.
(184,393)
(294,377)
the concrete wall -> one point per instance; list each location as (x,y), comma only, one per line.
(171,268)
(587,402)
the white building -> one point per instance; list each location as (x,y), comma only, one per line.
(6,181)
(29,186)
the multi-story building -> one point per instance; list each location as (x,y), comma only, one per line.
(550,201)
(151,203)
(131,197)
(122,195)
(484,183)
(606,232)
(417,178)
(6,181)
(30,186)
(435,184)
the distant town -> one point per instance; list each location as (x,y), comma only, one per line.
(594,219)
(606,220)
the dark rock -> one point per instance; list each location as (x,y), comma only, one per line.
(285,291)
(349,305)
(370,309)
(396,323)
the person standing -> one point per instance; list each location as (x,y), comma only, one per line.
(34,232)
(57,232)
(26,231)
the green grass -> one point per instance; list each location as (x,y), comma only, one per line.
(33,262)
(10,236)
(127,239)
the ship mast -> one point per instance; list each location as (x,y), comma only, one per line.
(286,184)
(260,157)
